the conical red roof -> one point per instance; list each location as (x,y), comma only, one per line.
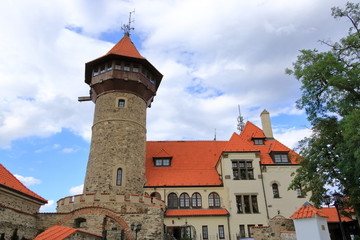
(125,47)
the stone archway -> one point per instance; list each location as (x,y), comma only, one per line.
(101,211)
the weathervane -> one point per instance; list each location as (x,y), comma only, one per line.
(127,27)
(240,119)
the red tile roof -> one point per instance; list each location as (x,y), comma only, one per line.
(244,142)
(196,212)
(331,213)
(193,163)
(125,47)
(59,233)
(10,181)
(307,211)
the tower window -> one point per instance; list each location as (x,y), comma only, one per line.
(108,67)
(96,72)
(135,68)
(102,69)
(121,103)
(127,67)
(119,177)
(118,65)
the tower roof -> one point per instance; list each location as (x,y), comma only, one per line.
(125,47)
(11,182)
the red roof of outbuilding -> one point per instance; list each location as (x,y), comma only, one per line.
(196,212)
(307,211)
(193,163)
(10,181)
(125,47)
(59,233)
(331,213)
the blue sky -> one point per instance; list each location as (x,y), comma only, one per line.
(213,56)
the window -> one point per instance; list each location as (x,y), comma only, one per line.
(249,229)
(172,200)
(135,68)
(118,65)
(121,103)
(102,69)
(242,231)
(127,67)
(119,177)
(162,162)
(96,72)
(108,67)
(247,204)
(156,194)
(281,158)
(221,232)
(214,200)
(258,141)
(196,200)
(184,200)
(205,234)
(275,189)
(242,169)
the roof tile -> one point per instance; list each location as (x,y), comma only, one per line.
(59,233)
(307,211)
(125,47)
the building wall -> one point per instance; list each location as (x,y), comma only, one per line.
(19,201)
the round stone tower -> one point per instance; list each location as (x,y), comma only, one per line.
(123,84)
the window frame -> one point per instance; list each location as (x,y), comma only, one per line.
(197,199)
(172,201)
(119,176)
(184,200)
(275,190)
(221,231)
(162,161)
(214,200)
(247,204)
(242,169)
(259,141)
(205,232)
(280,157)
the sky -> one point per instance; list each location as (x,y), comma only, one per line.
(214,55)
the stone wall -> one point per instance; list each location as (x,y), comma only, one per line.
(19,202)
(279,228)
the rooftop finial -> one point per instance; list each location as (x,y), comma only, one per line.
(127,27)
(240,119)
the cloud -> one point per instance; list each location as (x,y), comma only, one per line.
(49,207)
(27,181)
(76,190)
(290,137)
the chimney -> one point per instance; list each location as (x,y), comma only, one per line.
(266,124)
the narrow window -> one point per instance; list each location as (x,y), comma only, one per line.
(184,200)
(119,177)
(254,204)
(205,232)
(121,103)
(196,200)
(156,194)
(275,189)
(247,204)
(242,231)
(214,200)
(221,232)
(172,200)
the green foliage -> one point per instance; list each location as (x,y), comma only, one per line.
(331,98)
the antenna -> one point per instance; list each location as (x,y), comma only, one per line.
(215,135)
(240,119)
(127,27)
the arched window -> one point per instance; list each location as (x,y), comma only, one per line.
(119,177)
(156,194)
(184,200)
(214,200)
(275,189)
(196,200)
(172,200)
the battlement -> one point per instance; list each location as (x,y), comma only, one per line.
(106,199)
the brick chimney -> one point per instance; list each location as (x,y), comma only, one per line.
(266,124)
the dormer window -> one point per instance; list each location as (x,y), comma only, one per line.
(281,157)
(258,141)
(162,162)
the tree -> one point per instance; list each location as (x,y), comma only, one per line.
(331,99)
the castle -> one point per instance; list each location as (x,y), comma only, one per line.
(138,189)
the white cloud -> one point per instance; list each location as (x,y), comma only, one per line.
(213,58)
(27,181)
(49,207)
(76,190)
(291,137)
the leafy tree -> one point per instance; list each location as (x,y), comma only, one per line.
(331,98)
